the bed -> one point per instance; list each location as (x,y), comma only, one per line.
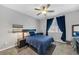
(40,42)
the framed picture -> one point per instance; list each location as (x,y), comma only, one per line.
(17,26)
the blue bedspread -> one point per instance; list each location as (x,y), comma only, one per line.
(40,42)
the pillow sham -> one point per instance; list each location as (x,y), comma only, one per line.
(32,33)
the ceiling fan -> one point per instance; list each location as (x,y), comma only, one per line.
(43,9)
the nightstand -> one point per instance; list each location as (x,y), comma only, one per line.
(21,43)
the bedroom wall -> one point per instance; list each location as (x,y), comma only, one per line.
(9,17)
(71,18)
(43,25)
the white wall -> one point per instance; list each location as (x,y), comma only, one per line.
(71,18)
(43,26)
(9,17)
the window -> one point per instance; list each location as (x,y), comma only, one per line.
(54,27)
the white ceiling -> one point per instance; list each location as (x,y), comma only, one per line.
(28,9)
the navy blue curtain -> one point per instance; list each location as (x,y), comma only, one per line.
(61,25)
(49,23)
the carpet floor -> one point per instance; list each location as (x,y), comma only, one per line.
(55,49)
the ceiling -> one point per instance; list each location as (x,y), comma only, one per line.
(28,9)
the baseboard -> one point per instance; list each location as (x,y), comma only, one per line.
(7,48)
(69,42)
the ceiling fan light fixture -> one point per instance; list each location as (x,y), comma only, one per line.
(44,12)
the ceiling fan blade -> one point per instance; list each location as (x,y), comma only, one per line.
(48,5)
(37,9)
(42,7)
(39,13)
(50,11)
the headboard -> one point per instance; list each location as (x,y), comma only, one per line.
(28,30)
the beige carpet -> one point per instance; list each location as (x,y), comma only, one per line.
(64,49)
(60,49)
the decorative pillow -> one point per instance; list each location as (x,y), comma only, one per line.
(32,33)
